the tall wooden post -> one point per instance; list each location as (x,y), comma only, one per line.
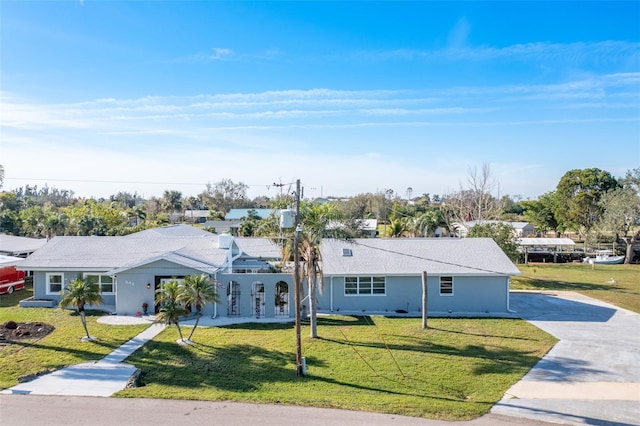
(425,300)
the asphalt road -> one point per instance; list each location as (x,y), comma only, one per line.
(39,410)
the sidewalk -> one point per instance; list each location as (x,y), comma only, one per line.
(99,378)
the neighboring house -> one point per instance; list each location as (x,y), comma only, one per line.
(11,245)
(383,276)
(237,214)
(129,269)
(366,227)
(196,216)
(222,226)
(520,229)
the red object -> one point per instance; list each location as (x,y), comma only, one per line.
(11,279)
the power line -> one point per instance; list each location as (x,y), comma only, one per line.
(123,181)
(443,262)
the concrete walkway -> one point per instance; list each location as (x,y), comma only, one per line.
(592,375)
(100,378)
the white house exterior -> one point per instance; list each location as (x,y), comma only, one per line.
(464,276)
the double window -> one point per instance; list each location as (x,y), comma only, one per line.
(446,286)
(54,283)
(103,282)
(364,286)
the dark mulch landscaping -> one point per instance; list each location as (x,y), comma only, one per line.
(11,330)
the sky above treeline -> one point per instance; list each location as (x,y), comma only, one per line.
(350,97)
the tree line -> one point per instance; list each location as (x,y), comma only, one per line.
(589,202)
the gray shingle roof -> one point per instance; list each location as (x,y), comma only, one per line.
(13,244)
(105,253)
(411,256)
(258,248)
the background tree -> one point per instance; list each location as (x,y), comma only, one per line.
(398,228)
(79,293)
(197,291)
(475,201)
(172,202)
(540,212)
(501,233)
(226,195)
(425,224)
(622,211)
(171,308)
(578,197)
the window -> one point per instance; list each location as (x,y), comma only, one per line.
(54,283)
(364,285)
(446,286)
(104,282)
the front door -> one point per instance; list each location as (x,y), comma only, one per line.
(257,299)
(282,299)
(233,299)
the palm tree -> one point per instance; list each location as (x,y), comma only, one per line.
(172,201)
(397,228)
(78,293)
(318,221)
(170,307)
(197,290)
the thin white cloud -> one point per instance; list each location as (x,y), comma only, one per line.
(603,52)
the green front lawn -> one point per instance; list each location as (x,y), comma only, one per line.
(616,284)
(59,349)
(456,370)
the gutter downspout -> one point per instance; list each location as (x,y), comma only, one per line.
(331,293)
(215,304)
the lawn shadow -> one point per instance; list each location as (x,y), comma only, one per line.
(247,368)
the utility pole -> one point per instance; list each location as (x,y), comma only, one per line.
(296,282)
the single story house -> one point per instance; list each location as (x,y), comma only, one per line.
(384,275)
(196,216)
(222,226)
(11,245)
(129,269)
(520,229)
(465,276)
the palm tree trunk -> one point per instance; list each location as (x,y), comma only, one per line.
(84,321)
(179,332)
(313,320)
(311,276)
(195,325)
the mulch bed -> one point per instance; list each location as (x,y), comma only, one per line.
(12,331)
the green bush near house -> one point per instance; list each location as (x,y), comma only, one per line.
(455,370)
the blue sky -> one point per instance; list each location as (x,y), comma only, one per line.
(350,97)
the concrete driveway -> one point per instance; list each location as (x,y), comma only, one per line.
(592,375)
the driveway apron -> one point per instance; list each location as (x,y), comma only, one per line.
(592,375)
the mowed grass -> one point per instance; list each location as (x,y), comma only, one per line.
(615,284)
(61,348)
(455,370)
